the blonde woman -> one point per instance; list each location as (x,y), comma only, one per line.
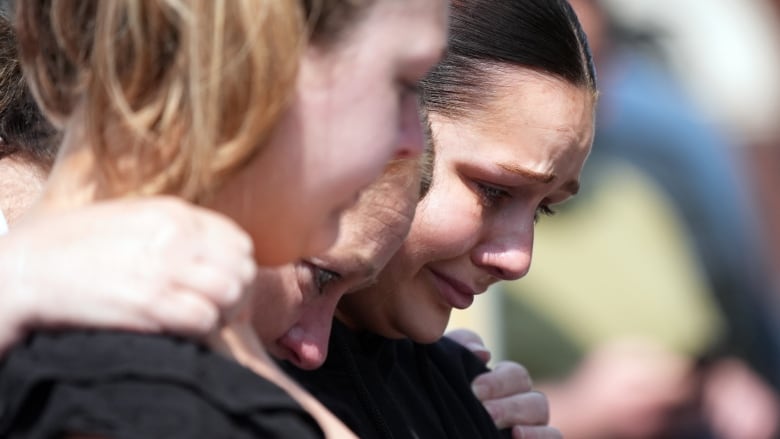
(208,101)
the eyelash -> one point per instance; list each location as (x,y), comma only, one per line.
(543,210)
(491,195)
(322,277)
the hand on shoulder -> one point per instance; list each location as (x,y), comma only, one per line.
(154,265)
(507,393)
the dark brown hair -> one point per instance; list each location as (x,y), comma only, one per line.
(23,129)
(541,35)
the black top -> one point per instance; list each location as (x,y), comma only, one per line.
(384,388)
(133,386)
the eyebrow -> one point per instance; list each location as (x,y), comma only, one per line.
(571,186)
(364,270)
(539,177)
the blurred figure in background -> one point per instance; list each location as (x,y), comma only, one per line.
(688,279)
(727,55)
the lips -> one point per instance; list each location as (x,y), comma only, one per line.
(455,293)
(284,349)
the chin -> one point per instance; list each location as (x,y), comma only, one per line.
(428,334)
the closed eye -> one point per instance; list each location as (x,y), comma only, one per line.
(543,210)
(323,277)
(491,195)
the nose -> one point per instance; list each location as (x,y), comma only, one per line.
(506,252)
(411,140)
(308,339)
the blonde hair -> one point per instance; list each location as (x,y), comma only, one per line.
(174,95)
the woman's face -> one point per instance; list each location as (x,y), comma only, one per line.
(493,175)
(294,305)
(354,110)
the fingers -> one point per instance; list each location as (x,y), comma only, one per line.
(202,253)
(471,341)
(184,313)
(223,283)
(465,336)
(524,409)
(507,378)
(156,264)
(535,432)
(218,233)
(174,228)
(506,392)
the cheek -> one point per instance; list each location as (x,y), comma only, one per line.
(445,225)
(355,141)
(275,312)
(371,114)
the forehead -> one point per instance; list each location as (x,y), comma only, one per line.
(526,98)
(544,115)
(373,229)
(410,28)
(532,122)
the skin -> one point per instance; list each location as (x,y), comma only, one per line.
(324,106)
(475,226)
(302,297)
(183,287)
(404,135)
(359,92)
(372,231)
(20,183)
(508,394)
(347,93)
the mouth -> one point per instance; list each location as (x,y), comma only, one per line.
(455,293)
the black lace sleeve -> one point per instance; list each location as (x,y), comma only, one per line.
(133,386)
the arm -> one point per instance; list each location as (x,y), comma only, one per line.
(507,393)
(146,265)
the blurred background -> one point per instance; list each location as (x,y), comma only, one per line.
(652,309)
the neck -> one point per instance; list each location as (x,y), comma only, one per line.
(238,340)
(73,181)
(21,183)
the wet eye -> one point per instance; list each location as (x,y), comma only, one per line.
(323,277)
(543,210)
(490,195)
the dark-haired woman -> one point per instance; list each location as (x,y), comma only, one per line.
(511,109)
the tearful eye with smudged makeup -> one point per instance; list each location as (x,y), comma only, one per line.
(315,279)
(491,197)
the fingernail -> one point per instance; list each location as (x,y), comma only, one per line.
(479,350)
(473,346)
(481,391)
